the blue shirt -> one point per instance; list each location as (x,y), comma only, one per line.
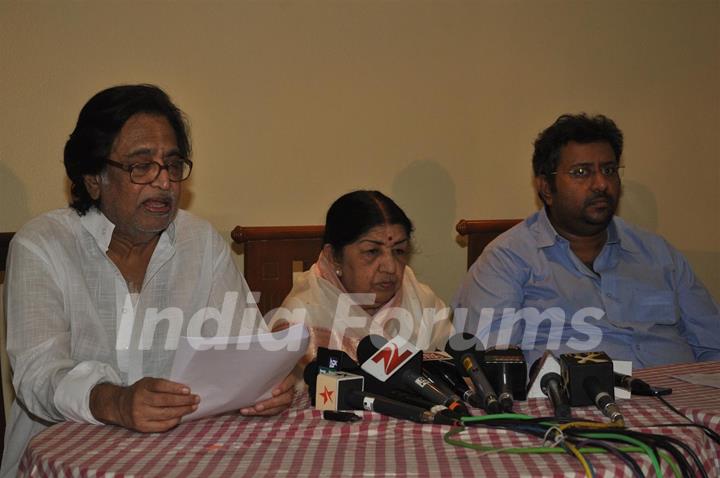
(640,302)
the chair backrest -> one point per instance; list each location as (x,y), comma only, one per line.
(272,254)
(480,233)
(4,246)
(8,393)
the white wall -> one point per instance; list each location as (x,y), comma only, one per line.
(293,103)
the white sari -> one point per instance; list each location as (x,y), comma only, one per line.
(337,321)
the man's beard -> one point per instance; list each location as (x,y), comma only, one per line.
(607,215)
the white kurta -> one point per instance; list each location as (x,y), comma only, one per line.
(72,322)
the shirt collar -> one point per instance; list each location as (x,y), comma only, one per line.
(544,230)
(547,235)
(101,229)
(627,243)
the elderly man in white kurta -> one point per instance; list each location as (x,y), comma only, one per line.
(97,295)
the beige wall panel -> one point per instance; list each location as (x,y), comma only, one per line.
(293,103)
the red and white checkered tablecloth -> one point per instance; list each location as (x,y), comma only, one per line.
(698,402)
(300,443)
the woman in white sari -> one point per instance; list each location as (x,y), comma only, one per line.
(361,283)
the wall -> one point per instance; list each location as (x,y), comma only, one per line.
(293,103)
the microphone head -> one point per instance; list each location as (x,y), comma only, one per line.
(464,342)
(310,373)
(368,346)
(335,360)
(545,364)
(545,380)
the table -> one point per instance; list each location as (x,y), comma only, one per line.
(300,443)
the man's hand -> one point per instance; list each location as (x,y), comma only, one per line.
(148,405)
(282,398)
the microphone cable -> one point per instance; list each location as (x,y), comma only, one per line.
(586,437)
(616,452)
(566,447)
(712,434)
(708,431)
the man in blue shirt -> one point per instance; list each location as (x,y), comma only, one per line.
(574,277)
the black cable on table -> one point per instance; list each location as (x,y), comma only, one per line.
(625,457)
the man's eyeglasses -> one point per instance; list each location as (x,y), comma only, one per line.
(146,172)
(611,171)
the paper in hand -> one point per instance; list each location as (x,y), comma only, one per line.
(230,373)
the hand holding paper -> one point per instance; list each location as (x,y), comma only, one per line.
(282,398)
(240,373)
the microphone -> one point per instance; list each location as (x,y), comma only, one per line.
(310,376)
(331,360)
(506,371)
(360,400)
(406,371)
(545,379)
(448,372)
(602,399)
(462,348)
(414,399)
(639,387)
(551,385)
(335,360)
(589,379)
(442,385)
(337,391)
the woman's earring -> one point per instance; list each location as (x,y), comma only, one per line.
(338,272)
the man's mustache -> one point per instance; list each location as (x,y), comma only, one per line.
(600,196)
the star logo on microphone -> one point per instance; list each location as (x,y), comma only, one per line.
(327,395)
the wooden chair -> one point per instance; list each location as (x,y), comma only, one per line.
(4,246)
(480,233)
(8,394)
(272,254)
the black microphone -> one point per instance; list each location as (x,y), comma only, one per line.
(440,383)
(448,372)
(335,360)
(589,379)
(343,391)
(551,385)
(410,376)
(413,399)
(639,387)
(399,409)
(463,347)
(360,400)
(310,376)
(506,371)
(602,399)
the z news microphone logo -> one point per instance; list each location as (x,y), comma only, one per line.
(391,358)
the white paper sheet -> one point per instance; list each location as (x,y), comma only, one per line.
(707,379)
(229,373)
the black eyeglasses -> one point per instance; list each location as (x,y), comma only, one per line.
(146,172)
(582,173)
